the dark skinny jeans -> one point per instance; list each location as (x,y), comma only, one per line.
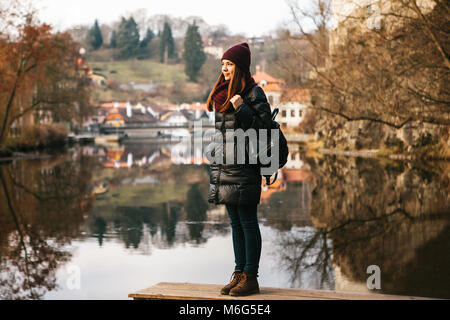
(246,237)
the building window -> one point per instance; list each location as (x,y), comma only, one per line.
(270,99)
(293,113)
(283,113)
(299,113)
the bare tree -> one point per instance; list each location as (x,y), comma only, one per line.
(393,70)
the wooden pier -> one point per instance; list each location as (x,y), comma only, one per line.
(191,291)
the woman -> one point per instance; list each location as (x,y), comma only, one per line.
(239,103)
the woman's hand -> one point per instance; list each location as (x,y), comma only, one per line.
(236,101)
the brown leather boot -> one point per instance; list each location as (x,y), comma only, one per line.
(247,285)
(235,278)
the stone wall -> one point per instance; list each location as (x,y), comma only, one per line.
(340,134)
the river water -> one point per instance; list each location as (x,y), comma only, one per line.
(99,222)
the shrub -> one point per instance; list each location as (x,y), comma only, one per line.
(45,135)
(5,152)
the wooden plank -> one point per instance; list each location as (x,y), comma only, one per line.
(191,291)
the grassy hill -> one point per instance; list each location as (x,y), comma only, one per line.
(173,84)
(140,71)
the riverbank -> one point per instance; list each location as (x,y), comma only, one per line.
(9,155)
(379,154)
(5,153)
(22,155)
(427,153)
(34,140)
(28,152)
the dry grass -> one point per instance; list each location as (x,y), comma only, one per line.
(39,136)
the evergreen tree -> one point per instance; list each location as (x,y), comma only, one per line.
(113,41)
(144,46)
(128,38)
(167,45)
(95,38)
(148,38)
(193,54)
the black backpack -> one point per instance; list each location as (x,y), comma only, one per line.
(283,149)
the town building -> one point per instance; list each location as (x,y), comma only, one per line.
(293,107)
(292,103)
(273,87)
(199,111)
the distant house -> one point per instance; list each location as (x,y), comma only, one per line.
(129,116)
(175,118)
(137,117)
(292,103)
(92,122)
(156,110)
(98,79)
(293,107)
(188,114)
(153,110)
(198,110)
(256,41)
(106,106)
(114,118)
(272,87)
(215,51)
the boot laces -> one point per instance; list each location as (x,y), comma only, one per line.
(242,280)
(235,275)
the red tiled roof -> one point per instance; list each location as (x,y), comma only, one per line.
(137,116)
(171,113)
(196,106)
(114,114)
(114,105)
(272,87)
(261,75)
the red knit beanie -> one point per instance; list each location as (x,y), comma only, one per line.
(240,55)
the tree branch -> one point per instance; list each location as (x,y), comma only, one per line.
(430,33)
(348,118)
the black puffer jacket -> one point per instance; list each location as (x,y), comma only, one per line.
(232,183)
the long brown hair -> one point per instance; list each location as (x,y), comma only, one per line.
(236,86)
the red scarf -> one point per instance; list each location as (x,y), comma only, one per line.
(221,93)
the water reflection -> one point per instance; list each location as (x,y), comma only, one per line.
(196,207)
(367,212)
(43,205)
(325,219)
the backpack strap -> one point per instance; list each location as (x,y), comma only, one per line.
(274,113)
(268,179)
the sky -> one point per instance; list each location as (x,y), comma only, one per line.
(247,17)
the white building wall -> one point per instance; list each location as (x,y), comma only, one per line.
(291,113)
(214,51)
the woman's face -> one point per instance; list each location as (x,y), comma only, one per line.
(228,68)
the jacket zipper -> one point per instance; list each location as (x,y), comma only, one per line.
(220,165)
